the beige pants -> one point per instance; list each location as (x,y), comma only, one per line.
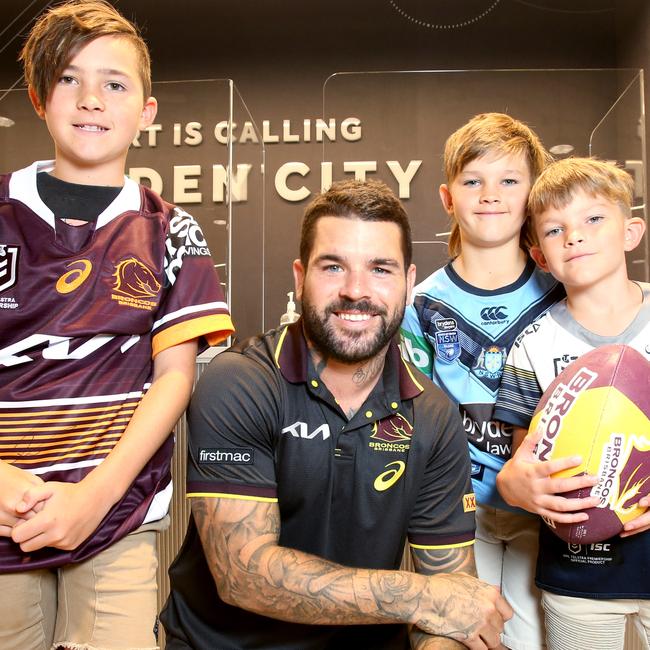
(591,624)
(506,555)
(105,603)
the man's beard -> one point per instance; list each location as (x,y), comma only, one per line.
(348,347)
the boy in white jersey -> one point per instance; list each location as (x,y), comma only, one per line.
(582,226)
(462,322)
(106,291)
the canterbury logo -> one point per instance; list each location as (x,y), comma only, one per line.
(74,278)
(388,478)
(135,280)
(494,313)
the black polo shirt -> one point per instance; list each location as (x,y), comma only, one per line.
(263,426)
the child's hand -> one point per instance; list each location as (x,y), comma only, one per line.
(68,517)
(640,523)
(14,483)
(526,482)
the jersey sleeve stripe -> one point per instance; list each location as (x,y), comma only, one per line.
(218,488)
(240,497)
(438,546)
(187,311)
(429,540)
(219,326)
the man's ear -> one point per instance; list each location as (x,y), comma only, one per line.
(634,230)
(445,197)
(538,256)
(33,98)
(410,283)
(298,278)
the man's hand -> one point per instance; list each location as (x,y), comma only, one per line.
(465,609)
(68,517)
(641,523)
(14,483)
(527,482)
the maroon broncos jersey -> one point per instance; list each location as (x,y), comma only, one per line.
(82,314)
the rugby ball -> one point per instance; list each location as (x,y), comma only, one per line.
(598,407)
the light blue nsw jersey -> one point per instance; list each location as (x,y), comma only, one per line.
(460,336)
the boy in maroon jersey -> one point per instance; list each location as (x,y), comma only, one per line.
(106,291)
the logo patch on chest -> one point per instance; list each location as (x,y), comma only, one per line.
(391,434)
(8,266)
(135,285)
(388,478)
(490,362)
(446,340)
(75,277)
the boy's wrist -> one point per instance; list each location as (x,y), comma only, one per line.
(102,485)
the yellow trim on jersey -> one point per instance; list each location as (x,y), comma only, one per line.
(215,327)
(35,444)
(241,497)
(459,545)
(276,356)
(413,379)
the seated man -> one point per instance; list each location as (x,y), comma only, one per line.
(314,451)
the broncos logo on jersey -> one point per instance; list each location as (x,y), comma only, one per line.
(134,279)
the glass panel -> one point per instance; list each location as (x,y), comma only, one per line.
(404,118)
(620,136)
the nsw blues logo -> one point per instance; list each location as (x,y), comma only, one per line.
(446,339)
(490,362)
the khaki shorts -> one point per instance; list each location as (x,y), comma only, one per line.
(105,603)
(591,624)
(506,554)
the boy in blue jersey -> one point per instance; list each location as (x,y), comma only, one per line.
(462,323)
(582,227)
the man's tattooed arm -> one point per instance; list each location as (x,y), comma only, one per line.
(430,562)
(252,571)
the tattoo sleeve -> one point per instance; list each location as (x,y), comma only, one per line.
(431,561)
(448,560)
(252,572)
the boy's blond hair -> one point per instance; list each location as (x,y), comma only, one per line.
(63,30)
(495,134)
(558,183)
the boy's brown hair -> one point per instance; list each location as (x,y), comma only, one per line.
(558,183)
(63,30)
(494,134)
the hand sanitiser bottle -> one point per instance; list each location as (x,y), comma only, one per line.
(291,315)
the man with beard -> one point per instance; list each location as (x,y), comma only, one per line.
(315,451)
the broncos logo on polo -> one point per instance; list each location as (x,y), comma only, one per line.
(135,280)
(393,429)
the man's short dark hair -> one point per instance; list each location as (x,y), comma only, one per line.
(365,200)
